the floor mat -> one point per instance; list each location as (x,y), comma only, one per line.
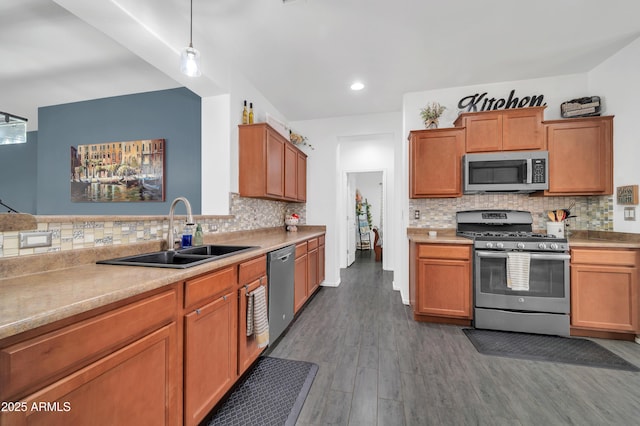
(271,394)
(568,350)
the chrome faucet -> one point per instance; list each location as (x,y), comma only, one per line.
(170,234)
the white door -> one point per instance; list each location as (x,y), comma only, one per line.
(351,218)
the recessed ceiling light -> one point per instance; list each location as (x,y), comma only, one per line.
(357,86)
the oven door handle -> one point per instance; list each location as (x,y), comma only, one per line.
(536,256)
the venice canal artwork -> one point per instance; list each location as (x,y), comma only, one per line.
(127,171)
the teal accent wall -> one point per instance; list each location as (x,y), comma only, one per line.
(173,115)
(18,174)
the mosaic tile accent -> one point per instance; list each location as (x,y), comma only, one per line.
(246,214)
(593,213)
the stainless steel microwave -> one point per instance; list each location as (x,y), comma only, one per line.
(516,172)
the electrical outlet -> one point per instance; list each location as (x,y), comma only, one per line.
(629,213)
(416,214)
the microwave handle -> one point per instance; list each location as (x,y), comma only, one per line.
(529,171)
(536,256)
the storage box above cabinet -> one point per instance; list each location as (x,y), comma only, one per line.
(270,166)
(503,130)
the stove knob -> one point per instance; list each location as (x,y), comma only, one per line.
(542,246)
(489,245)
(520,245)
(500,245)
(553,246)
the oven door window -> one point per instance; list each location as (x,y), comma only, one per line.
(546,277)
(497,172)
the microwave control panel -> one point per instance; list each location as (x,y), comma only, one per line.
(539,167)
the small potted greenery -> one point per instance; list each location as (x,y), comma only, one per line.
(431,113)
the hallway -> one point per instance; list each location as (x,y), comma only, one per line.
(379,367)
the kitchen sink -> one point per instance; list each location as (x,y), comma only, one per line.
(184,258)
(215,250)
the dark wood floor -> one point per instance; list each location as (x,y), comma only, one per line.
(379,367)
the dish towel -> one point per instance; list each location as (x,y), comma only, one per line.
(249,314)
(260,321)
(518,271)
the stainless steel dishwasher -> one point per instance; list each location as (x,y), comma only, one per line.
(280,270)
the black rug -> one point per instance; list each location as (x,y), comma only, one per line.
(271,394)
(537,347)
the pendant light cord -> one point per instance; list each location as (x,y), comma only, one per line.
(191,26)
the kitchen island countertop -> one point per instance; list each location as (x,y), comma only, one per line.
(37,299)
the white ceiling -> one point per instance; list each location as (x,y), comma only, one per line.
(302,55)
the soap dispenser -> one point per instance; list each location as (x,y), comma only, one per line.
(187,235)
(198,237)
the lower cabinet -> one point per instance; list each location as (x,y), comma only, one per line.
(309,270)
(313,280)
(440,283)
(301,274)
(120,367)
(604,291)
(210,359)
(252,275)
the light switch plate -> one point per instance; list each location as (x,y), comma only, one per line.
(35,239)
(629,213)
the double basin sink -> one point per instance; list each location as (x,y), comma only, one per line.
(180,259)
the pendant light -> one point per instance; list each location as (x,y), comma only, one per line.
(190,57)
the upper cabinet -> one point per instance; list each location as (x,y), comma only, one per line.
(580,156)
(503,130)
(435,158)
(270,166)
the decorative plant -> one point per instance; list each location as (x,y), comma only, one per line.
(298,139)
(369,218)
(431,113)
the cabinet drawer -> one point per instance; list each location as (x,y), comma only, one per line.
(252,270)
(301,249)
(438,251)
(202,288)
(40,361)
(312,244)
(604,257)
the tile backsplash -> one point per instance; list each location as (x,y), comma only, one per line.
(594,213)
(71,234)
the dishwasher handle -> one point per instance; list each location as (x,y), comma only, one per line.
(284,258)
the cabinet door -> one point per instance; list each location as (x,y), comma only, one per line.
(312,270)
(443,288)
(300,282)
(484,132)
(434,163)
(580,157)
(604,297)
(302,177)
(248,350)
(522,129)
(290,172)
(321,268)
(210,362)
(275,164)
(136,385)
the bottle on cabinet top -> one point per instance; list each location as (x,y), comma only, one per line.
(251,113)
(245,115)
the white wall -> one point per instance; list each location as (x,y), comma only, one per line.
(616,81)
(324,178)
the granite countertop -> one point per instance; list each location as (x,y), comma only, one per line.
(40,298)
(443,236)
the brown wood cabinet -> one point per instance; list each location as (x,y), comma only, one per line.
(309,270)
(440,283)
(580,156)
(516,129)
(210,341)
(301,275)
(604,290)
(118,367)
(270,166)
(435,163)
(252,274)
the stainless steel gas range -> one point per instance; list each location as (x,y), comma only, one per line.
(520,278)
